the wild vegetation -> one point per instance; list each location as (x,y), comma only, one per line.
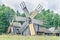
(6,15)
(50,19)
(19,37)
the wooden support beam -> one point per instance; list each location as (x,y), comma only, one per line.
(31,29)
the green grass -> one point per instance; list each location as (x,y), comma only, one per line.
(19,37)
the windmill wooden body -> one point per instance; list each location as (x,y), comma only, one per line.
(30,25)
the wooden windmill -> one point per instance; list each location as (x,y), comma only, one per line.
(28,28)
(30,19)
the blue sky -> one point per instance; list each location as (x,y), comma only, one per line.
(31,4)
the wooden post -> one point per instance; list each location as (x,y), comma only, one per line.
(32,29)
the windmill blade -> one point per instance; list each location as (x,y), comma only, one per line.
(12,20)
(24,8)
(31,29)
(9,28)
(34,13)
(40,22)
(20,19)
(24,26)
(11,23)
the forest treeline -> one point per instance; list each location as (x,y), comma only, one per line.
(50,19)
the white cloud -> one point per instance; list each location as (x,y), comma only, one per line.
(52,5)
(31,4)
(1,2)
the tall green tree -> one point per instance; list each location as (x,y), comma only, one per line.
(50,19)
(6,15)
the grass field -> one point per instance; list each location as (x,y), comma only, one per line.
(19,37)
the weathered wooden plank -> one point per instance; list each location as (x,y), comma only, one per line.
(39,22)
(24,8)
(36,11)
(20,19)
(32,32)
